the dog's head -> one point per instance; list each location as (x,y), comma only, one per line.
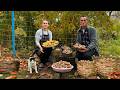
(32,58)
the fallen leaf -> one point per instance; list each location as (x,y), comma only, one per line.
(14,72)
(11,77)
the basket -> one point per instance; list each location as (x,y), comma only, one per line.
(105,65)
(86,68)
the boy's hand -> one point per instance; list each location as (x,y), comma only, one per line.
(41,49)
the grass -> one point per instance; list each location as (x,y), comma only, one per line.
(110,47)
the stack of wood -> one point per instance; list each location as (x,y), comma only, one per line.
(8,66)
(8,63)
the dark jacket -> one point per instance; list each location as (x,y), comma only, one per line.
(92,37)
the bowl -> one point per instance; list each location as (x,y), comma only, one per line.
(62,70)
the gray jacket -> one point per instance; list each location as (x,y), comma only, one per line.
(92,37)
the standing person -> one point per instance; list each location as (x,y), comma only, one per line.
(43,35)
(87,36)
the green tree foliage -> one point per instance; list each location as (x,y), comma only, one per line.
(63,24)
(5,28)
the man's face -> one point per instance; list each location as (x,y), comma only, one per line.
(83,22)
(45,24)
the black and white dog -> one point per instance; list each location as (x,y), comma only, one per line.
(32,64)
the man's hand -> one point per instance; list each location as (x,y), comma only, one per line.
(83,49)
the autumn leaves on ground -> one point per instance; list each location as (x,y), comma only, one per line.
(100,68)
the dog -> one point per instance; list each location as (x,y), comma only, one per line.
(32,64)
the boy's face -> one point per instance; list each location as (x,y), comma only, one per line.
(45,24)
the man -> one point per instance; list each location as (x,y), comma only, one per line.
(86,36)
(42,35)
